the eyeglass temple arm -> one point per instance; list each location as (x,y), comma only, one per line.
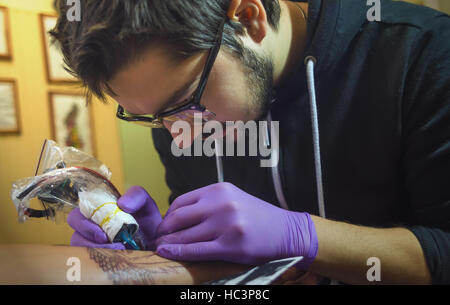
(214,52)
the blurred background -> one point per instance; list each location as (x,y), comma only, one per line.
(126,149)
(33,89)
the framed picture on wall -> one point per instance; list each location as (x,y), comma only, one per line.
(5,34)
(71,121)
(53,57)
(9,110)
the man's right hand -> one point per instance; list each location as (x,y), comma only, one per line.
(137,202)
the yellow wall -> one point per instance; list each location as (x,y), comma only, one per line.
(142,165)
(444,5)
(18,153)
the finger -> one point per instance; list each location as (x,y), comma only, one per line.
(202,251)
(134,200)
(187,199)
(182,201)
(137,201)
(180,219)
(87,228)
(78,240)
(200,233)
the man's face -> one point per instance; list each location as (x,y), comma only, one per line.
(237,90)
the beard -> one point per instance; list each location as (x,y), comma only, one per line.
(259,69)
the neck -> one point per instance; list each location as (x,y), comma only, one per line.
(287,44)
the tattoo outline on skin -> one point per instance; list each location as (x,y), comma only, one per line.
(126,267)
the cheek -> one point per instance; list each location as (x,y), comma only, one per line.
(227,97)
(226,106)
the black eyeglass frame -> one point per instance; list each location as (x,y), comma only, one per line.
(194,102)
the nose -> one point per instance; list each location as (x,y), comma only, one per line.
(183,133)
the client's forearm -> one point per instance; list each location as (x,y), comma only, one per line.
(37,264)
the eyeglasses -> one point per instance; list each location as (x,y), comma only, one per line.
(188,109)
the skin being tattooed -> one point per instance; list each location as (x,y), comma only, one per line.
(47,265)
(133,267)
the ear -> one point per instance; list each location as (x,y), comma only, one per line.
(252,15)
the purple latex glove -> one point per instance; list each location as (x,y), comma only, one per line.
(137,202)
(222,222)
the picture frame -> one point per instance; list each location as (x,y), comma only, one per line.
(9,107)
(5,34)
(72,121)
(53,58)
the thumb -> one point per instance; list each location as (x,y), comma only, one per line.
(137,202)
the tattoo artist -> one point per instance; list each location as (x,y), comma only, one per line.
(364,135)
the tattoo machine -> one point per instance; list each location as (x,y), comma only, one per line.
(67,178)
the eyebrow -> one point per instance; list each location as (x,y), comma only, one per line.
(177,95)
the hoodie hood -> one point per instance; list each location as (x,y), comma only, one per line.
(332,26)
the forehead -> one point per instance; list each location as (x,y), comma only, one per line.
(144,84)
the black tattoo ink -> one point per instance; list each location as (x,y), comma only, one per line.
(124,269)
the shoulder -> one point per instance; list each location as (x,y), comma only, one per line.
(403,13)
(391,12)
(422,31)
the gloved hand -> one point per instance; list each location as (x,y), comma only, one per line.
(137,202)
(222,222)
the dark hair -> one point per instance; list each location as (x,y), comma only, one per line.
(112,33)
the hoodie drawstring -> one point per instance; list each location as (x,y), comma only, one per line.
(275,155)
(310,63)
(219,165)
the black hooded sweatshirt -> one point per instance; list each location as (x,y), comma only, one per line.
(383,103)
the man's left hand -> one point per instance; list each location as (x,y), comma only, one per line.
(222,222)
